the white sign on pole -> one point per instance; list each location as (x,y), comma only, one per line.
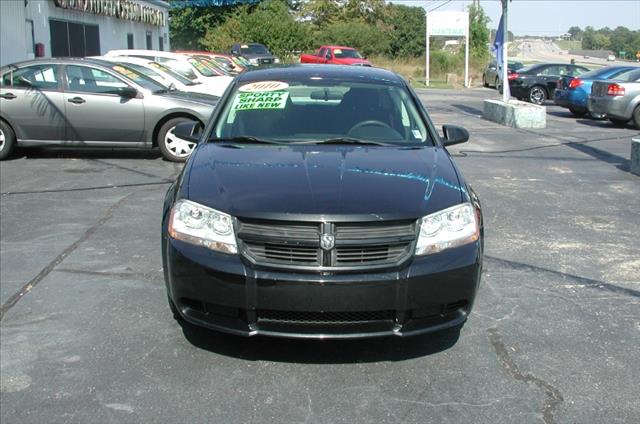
(448,24)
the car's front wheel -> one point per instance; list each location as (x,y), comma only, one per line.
(7,140)
(484,81)
(537,95)
(174,148)
(636,117)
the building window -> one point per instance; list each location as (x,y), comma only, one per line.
(149,41)
(74,39)
(161,43)
(130,41)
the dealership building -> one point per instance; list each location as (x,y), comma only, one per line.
(57,28)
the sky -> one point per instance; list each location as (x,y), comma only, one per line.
(549,17)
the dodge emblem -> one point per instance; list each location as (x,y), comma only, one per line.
(327,241)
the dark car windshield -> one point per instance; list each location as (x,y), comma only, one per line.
(140,79)
(201,67)
(514,66)
(321,111)
(346,54)
(530,69)
(253,49)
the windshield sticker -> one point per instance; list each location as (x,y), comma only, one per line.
(126,72)
(263,86)
(337,51)
(264,100)
(417,134)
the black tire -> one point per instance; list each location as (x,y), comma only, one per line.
(619,122)
(484,81)
(537,95)
(577,112)
(636,117)
(496,83)
(180,150)
(7,140)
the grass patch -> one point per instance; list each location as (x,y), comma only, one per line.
(569,45)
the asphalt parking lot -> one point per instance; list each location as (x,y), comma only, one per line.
(87,336)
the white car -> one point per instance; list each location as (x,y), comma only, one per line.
(611,58)
(160,73)
(187,66)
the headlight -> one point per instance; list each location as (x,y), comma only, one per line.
(276,60)
(452,227)
(253,61)
(202,226)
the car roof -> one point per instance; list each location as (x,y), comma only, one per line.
(331,46)
(157,53)
(303,72)
(61,60)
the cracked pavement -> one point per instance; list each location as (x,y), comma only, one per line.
(86,335)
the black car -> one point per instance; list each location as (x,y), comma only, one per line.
(321,202)
(256,53)
(537,83)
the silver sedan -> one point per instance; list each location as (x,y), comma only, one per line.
(618,99)
(91,102)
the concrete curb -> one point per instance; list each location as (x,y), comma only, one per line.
(515,114)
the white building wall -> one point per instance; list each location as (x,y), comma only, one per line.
(113,31)
(13,42)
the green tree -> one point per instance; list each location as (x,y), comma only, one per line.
(478,32)
(321,12)
(269,22)
(367,38)
(576,33)
(407,30)
(188,25)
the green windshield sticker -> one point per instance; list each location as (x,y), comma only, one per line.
(260,100)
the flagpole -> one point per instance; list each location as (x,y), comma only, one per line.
(505,60)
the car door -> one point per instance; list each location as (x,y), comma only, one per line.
(321,56)
(31,99)
(96,111)
(548,77)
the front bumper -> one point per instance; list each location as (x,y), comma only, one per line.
(223,293)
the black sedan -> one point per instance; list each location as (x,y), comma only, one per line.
(537,83)
(321,202)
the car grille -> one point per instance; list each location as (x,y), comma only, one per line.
(265,61)
(323,318)
(298,245)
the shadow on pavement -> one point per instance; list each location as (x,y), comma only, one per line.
(321,351)
(84,153)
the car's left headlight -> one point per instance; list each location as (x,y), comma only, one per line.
(197,224)
(451,227)
(276,60)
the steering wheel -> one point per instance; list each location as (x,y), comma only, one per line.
(372,123)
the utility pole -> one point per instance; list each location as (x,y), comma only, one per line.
(505,60)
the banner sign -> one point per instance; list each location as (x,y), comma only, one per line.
(129,10)
(448,24)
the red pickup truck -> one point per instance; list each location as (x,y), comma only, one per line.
(336,55)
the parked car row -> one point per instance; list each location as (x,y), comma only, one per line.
(126,98)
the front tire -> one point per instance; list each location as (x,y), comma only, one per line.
(577,112)
(537,95)
(173,148)
(484,81)
(7,140)
(636,117)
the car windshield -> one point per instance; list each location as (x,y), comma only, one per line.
(253,49)
(321,110)
(202,67)
(140,79)
(170,72)
(514,66)
(346,54)
(179,66)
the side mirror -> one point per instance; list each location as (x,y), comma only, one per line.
(128,92)
(454,134)
(189,131)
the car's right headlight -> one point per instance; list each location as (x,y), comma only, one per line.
(200,225)
(448,228)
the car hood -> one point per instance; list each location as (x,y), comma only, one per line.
(322,182)
(192,96)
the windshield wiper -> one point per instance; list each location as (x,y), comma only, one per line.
(347,140)
(246,139)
